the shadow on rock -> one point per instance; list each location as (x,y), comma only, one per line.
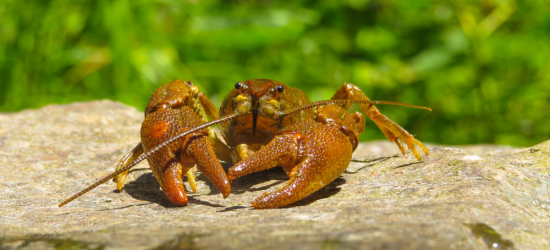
(247,183)
(202,177)
(228,209)
(146,188)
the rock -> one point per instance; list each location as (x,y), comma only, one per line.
(475,197)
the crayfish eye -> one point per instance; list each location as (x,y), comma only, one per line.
(280,88)
(238,85)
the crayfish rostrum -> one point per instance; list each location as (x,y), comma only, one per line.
(264,123)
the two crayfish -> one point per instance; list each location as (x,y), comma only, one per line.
(264,123)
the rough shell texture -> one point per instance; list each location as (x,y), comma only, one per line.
(169,163)
(458,198)
(311,162)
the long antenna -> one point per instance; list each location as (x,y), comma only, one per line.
(344,101)
(145,155)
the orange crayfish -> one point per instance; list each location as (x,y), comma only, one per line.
(264,124)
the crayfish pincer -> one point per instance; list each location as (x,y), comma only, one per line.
(264,123)
(172,109)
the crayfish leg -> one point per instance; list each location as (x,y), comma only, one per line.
(124,161)
(209,107)
(392,130)
(192,179)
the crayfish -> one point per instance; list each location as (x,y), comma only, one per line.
(264,123)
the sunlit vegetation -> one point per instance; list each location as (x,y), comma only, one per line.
(483,66)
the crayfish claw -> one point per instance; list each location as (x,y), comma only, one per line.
(312,153)
(412,145)
(396,133)
(294,190)
(399,143)
(392,130)
(172,183)
(202,152)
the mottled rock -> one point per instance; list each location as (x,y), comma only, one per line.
(475,197)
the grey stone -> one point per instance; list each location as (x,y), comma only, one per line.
(473,197)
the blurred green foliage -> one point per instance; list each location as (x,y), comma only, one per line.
(482,65)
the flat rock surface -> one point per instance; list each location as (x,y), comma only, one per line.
(476,197)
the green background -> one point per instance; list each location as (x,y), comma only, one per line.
(483,66)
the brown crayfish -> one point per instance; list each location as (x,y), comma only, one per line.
(264,124)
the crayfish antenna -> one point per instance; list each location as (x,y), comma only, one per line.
(145,155)
(400,104)
(105,179)
(344,101)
